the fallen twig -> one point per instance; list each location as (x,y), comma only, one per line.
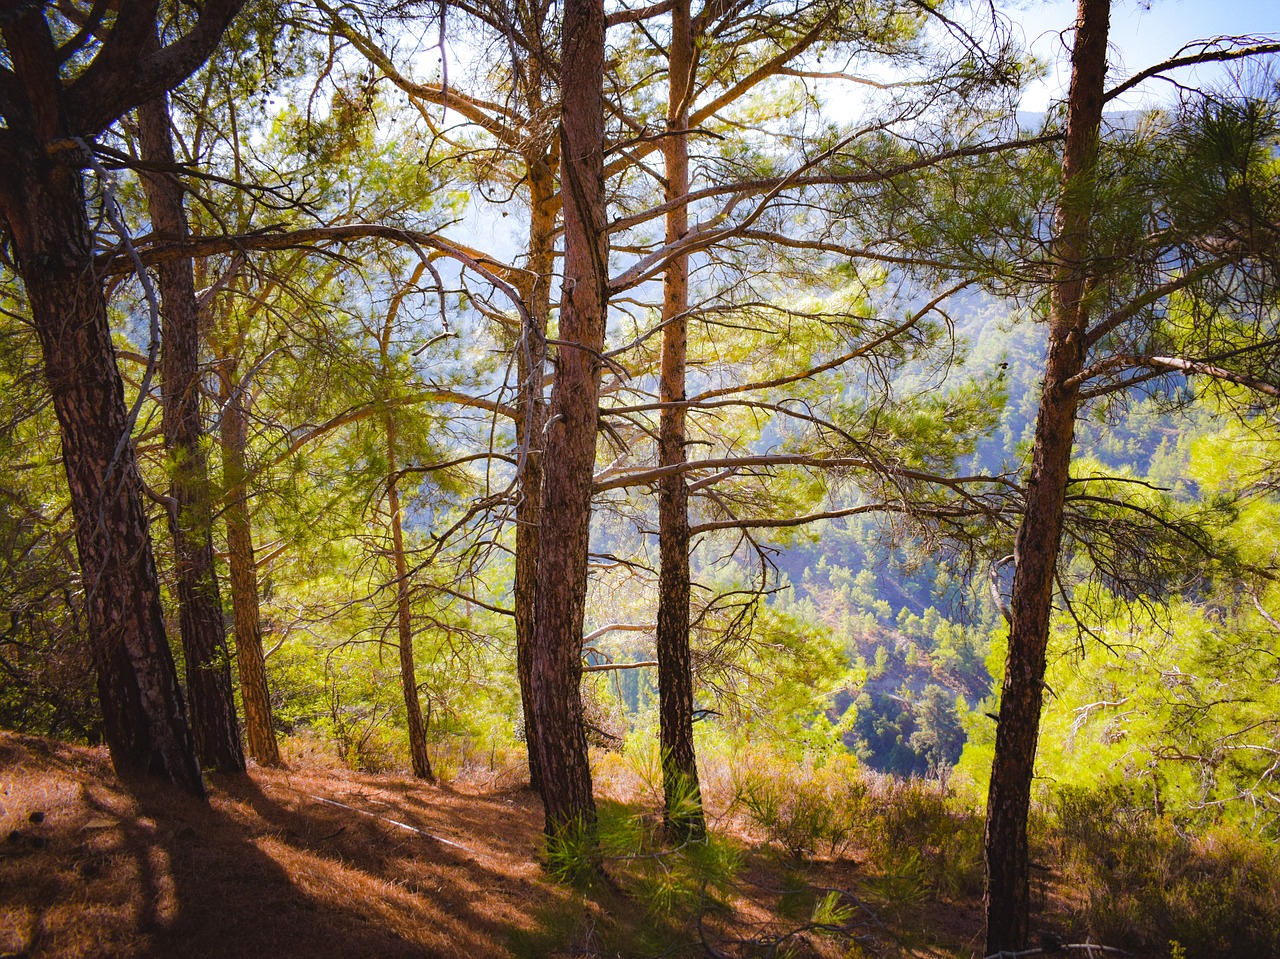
(394,822)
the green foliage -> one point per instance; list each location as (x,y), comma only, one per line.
(1169,703)
(806,811)
(921,670)
(558,926)
(831,910)
(944,838)
(625,853)
(939,736)
(687,880)
(572,854)
(46,678)
(1179,695)
(901,887)
(1140,880)
(781,679)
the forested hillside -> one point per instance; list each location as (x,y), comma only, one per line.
(751,396)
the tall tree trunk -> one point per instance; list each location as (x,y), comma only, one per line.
(417,726)
(144,718)
(258,727)
(204,639)
(683,811)
(52,105)
(556,655)
(1037,542)
(531,418)
(408,674)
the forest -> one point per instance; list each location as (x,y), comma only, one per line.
(738,429)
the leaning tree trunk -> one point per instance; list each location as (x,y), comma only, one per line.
(1036,545)
(531,418)
(204,639)
(683,810)
(246,616)
(569,460)
(144,718)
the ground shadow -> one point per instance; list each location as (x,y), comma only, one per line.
(261,870)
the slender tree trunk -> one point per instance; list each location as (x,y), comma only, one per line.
(404,623)
(1037,542)
(683,811)
(144,718)
(259,730)
(531,418)
(204,639)
(556,655)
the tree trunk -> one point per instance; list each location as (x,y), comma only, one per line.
(259,730)
(1037,542)
(556,655)
(683,810)
(531,418)
(404,623)
(53,104)
(204,639)
(144,718)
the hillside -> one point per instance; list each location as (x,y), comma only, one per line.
(271,866)
(319,861)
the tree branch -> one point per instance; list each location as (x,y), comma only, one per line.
(117,80)
(1264,46)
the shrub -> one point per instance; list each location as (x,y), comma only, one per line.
(1142,881)
(915,818)
(805,810)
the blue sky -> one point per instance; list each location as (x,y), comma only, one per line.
(1142,34)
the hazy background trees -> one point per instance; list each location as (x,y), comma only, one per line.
(815,246)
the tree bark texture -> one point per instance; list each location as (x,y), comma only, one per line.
(42,200)
(246,616)
(204,640)
(144,718)
(531,418)
(1037,543)
(683,809)
(53,104)
(556,656)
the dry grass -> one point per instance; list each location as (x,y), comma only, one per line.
(270,867)
(264,869)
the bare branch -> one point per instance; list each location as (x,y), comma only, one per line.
(1264,45)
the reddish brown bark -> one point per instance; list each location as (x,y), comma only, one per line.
(1037,542)
(52,105)
(144,718)
(204,639)
(683,808)
(531,417)
(414,721)
(556,654)
(246,616)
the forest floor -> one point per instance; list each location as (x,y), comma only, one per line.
(319,861)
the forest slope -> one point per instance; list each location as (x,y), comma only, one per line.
(319,861)
(269,867)
(272,866)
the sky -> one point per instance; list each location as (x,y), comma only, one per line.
(1142,34)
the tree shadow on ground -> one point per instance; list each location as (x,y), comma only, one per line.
(262,869)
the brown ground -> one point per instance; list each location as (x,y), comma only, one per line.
(270,867)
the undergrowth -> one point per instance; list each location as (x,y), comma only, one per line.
(1108,867)
(705,896)
(1142,881)
(918,844)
